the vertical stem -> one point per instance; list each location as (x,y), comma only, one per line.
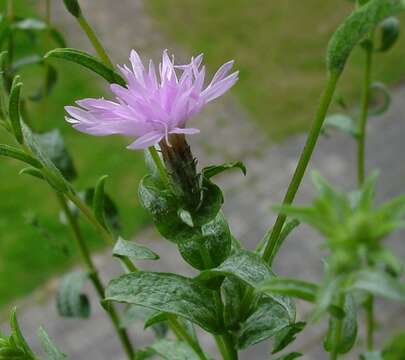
(338,333)
(10,45)
(94,40)
(159,164)
(370,323)
(95,279)
(365,101)
(326,99)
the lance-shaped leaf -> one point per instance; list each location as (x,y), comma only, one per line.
(52,352)
(54,146)
(356,26)
(14,109)
(133,250)
(88,61)
(377,283)
(213,170)
(269,318)
(18,337)
(389,33)
(169,293)
(15,153)
(296,288)
(70,300)
(348,329)
(173,350)
(341,122)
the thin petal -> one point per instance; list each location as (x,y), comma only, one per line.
(187,131)
(146,140)
(219,88)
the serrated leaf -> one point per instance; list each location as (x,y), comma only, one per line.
(15,153)
(52,352)
(214,240)
(341,122)
(70,300)
(269,318)
(213,170)
(377,283)
(88,61)
(169,293)
(133,250)
(14,109)
(174,350)
(54,146)
(355,27)
(295,288)
(348,334)
(389,30)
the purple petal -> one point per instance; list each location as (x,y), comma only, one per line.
(146,140)
(219,88)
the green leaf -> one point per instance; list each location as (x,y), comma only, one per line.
(389,33)
(341,122)
(213,170)
(269,318)
(375,355)
(290,356)
(33,172)
(327,291)
(133,250)
(14,109)
(69,298)
(296,288)
(286,336)
(233,291)
(163,207)
(169,293)
(33,59)
(174,350)
(88,61)
(98,200)
(377,283)
(386,98)
(15,153)
(51,77)
(356,26)
(348,334)
(208,247)
(29,24)
(52,352)
(186,217)
(18,337)
(54,146)
(111,213)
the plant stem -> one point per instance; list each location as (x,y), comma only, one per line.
(326,99)
(182,334)
(338,334)
(95,279)
(365,101)
(159,164)
(370,322)
(94,41)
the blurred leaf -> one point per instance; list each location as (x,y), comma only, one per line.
(291,287)
(88,61)
(53,144)
(286,336)
(33,59)
(348,329)
(53,353)
(174,350)
(375,355)
(98,201)
(355,27)
(390,29)
(290,356)
(51,77)
(15,153)
(341,122)
(169,293)
(29,24)
(378,87)
(213,170)
(14,109)
(133,250)
(69,298)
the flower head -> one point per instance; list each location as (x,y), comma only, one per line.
(152,107)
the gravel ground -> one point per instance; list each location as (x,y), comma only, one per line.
(229,134)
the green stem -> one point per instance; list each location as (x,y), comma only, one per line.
(182,334)
(95,279)
(94,40)
(326,99)
(370,323)
(159,164)
(365,101)
(338,334)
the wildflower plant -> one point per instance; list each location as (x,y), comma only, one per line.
(235,296)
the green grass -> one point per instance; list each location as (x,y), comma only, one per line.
(279,47)
(34,244)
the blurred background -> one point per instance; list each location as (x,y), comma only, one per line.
(279,48)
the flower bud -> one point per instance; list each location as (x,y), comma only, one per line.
(182,169)
(73,7)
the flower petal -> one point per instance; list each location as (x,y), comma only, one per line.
(146,140)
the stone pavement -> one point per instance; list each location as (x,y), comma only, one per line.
(228,134)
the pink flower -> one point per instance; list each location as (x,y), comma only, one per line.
(150,108)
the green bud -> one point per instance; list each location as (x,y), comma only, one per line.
(73,7)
